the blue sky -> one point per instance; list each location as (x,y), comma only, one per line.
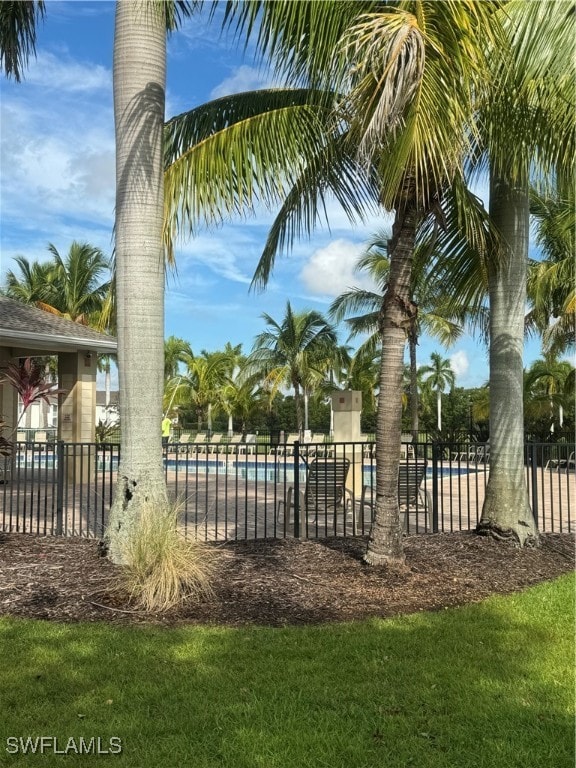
(57,185)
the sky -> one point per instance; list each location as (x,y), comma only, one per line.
(57,185)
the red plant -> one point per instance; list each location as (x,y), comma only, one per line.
(27,378)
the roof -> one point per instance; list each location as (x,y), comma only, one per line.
(26,327)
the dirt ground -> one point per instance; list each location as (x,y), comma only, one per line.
(277,582)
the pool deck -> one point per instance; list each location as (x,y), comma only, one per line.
(219,505)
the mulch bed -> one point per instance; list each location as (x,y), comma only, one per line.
(278,582)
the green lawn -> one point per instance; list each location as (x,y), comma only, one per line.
(485,686)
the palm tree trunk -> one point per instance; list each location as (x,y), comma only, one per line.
(439,409)
(506,512)
(396,319)
(298,405)
(139,85)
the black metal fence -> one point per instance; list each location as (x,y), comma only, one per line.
(242,490)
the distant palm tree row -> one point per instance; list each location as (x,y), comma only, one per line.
(300,353)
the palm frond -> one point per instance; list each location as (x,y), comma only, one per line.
(18,22)
(225,156)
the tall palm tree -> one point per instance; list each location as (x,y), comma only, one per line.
(434,316)
(402,78)
(139,105)
(139,100)
(527,132)
(292,353)
(439,375)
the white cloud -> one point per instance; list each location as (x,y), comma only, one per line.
(57,162)
(460,363)
(330,270)
(215,253)
(65,75)
(244,78)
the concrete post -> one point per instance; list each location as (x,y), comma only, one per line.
(347,409)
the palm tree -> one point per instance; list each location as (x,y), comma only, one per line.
(139,105)
(73,286)
(551,282)
(293,353)
(527,125)
(439,375)
(385,70)
(32,284)
(104,366)
(434,317)
(240,398)
(548,384)
(139,100)
(361,374)
(201,385)
(176,351)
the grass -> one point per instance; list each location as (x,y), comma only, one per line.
(480,686)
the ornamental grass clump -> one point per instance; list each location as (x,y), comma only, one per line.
(162,568)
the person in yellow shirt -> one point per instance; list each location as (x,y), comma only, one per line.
(166,425)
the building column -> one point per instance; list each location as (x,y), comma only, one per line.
(77,411)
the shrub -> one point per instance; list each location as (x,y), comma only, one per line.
(162,567)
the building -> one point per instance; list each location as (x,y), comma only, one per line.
(26,331)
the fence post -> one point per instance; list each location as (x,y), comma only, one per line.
(436,456)
(534,481)
(59,487)
(296,490)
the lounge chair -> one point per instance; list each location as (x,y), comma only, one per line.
(323,490)
(288,447)
(212,446)
(182,444)
(248,446)
(565,463)
(232,445)
(198,445)
(411,494)
(315,446)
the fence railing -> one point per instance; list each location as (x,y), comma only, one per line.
(255,490)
